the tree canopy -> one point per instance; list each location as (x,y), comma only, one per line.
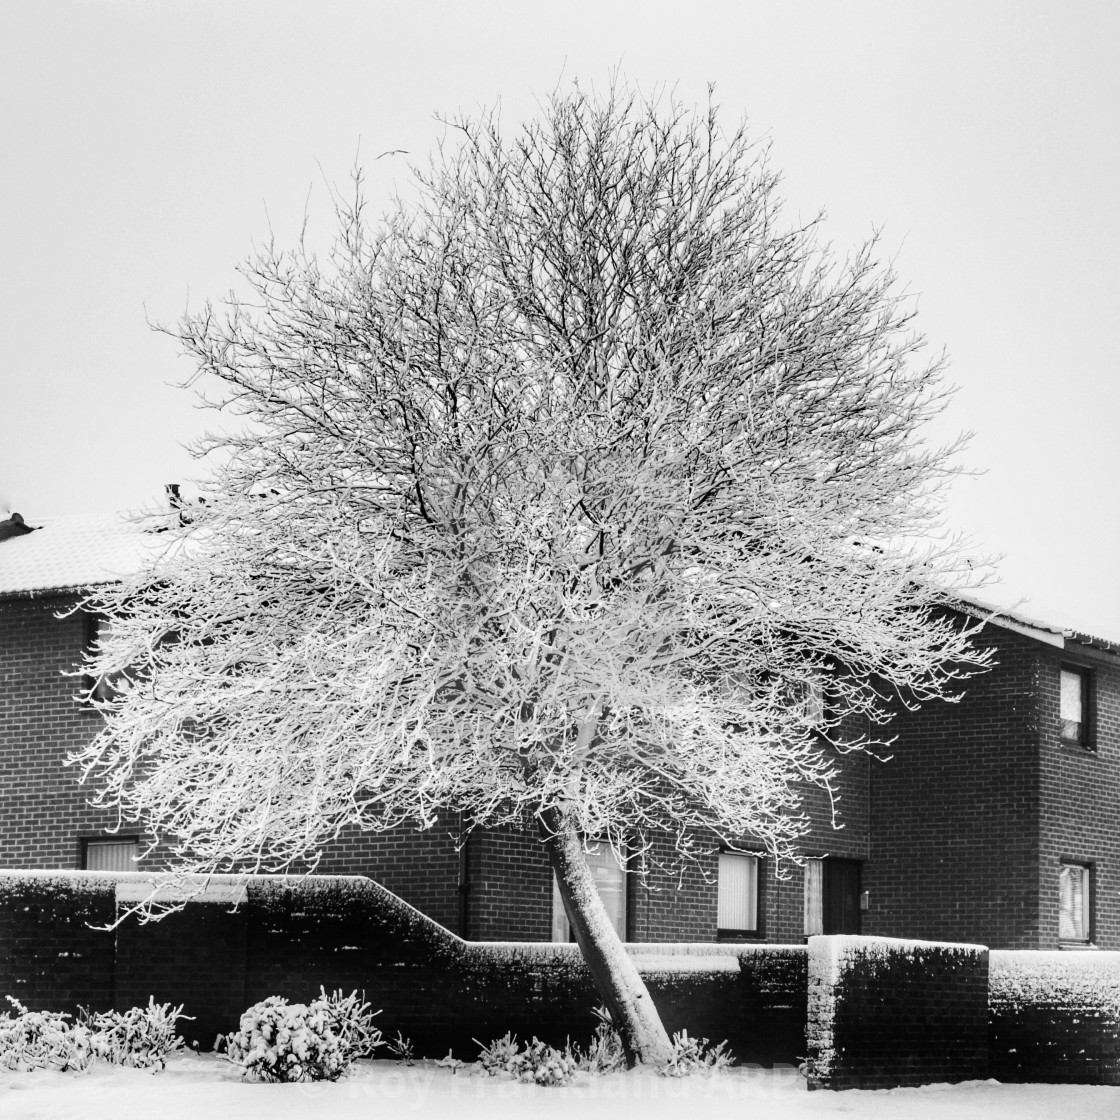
(558,491)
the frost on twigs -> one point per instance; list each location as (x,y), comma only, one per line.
(604,1053)
(319,1041)
(401,1048)
(31,1040)
(695,1055)
(142,1037)
(535,1062)
(589,488)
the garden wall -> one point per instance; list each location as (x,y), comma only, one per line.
(885,1012)
(235,944)
(1054,1016)
(868,1012)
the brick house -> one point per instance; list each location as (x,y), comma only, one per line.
(996,820)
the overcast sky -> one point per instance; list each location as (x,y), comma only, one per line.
(145,146)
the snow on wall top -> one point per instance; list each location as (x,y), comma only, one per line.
(848,944)
(1030,977)
(74,552)
(829,953)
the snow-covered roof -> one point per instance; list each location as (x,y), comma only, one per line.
(1041,631)
(75,552)
(85,550)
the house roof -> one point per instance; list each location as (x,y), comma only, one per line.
(74,552)
(86,550)
(1032,627)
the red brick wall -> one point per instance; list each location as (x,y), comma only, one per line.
(54,950)
(1054,1016)
(509,887)
(289,939)
(43,809)
(954,812)
(1080,806)
(883,1013)
(508,884)
(419,865)
(960,834)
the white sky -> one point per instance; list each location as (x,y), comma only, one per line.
(145,145)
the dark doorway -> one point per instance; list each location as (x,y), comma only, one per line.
(840,902)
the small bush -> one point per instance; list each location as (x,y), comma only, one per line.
(604,1054)
(142,1037)
(500,1056)
(694,1055)
(42,1040)
(538,1063)
(401,1049)
(281,1041)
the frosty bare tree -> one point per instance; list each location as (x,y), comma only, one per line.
(556,492)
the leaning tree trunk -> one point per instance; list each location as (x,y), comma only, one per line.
(615,975)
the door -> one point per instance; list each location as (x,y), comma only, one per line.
(840,901)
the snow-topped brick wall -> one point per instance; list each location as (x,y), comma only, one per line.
(1055,1016)
(241,942)
(884,1012)
(52,955)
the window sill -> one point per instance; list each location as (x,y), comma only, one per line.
(739,935)
(1073,747)
(1078,947)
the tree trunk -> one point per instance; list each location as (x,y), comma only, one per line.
(615,975)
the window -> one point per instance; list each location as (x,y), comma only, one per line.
(737,905)
(807,701)
(115,854)
(813,704)
(1076,704)
(814,897)
(610,879)
(832,896)
(1074,903)
(98,628)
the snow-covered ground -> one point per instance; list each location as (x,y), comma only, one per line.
(203,1087)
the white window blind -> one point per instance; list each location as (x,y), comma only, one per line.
(814,897)
(737,908)
(1073,902)
(1073,705)
(111,855)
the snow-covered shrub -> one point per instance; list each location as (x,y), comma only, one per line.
(500,1056)
(42,1040)
(604,1054)
(538,1062)
(281,1041)
(545,1065)
(694,1055)
(142,1037)
(401,1049)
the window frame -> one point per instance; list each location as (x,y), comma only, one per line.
(1088,910)
(759,931)
(107,842)
(1086,740)
(101,688)
(814,704)
(812,897)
